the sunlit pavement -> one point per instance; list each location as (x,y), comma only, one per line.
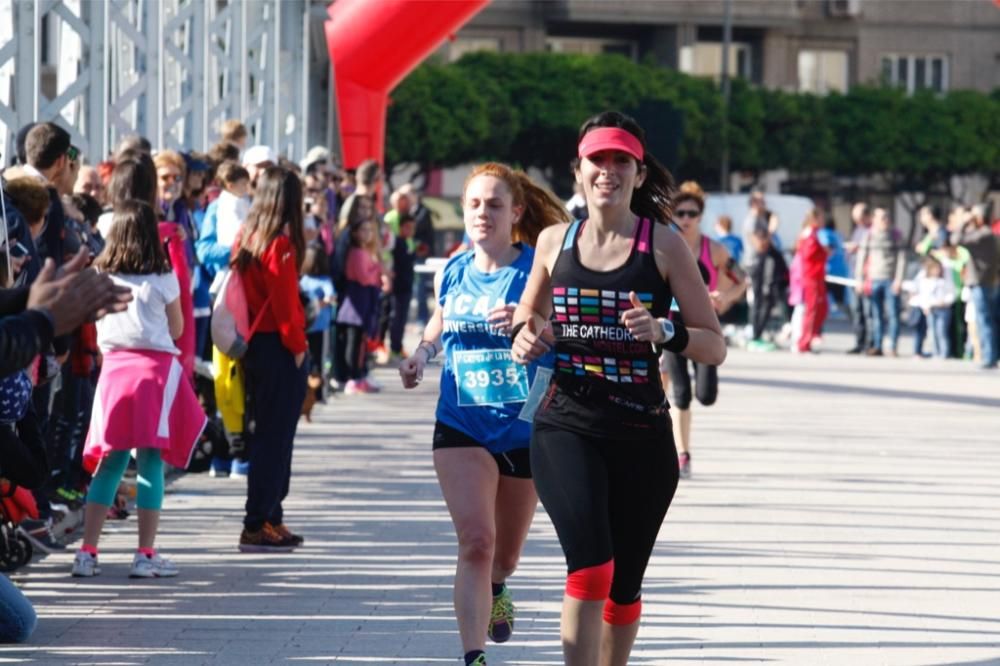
(843,510)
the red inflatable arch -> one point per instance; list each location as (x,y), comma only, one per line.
(373,44)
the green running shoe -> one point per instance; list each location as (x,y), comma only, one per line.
(501,617)
(479,661)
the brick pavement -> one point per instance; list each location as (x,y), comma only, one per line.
(842,511)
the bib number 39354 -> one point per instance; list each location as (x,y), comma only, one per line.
(488,377)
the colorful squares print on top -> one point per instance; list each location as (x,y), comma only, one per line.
(622,371)
(593,306)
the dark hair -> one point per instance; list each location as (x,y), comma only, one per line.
(655,198)
(367,172)
(277,201)
(230,172)
(89,206)
(224,151)
(316,262)
(133,143)
(133,244)
(19,143)
(46,143)
(133,177)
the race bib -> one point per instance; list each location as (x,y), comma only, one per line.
(488,377)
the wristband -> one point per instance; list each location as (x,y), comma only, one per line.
(667,327)
(429,347)
(679,342)
(516,329)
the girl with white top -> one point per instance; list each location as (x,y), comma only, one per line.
(143,402)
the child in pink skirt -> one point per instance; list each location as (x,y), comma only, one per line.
(143,403)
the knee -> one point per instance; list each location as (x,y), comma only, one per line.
(19,623)
(708,396)
(682,396)
(504,564)
(591,583)
(476,545)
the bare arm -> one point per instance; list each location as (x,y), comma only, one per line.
(677,264)
(535,308)
(175,318)
(411,370)
(732,273)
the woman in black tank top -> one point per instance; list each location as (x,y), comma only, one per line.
(602,452)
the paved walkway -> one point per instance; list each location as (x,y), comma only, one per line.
(842,511)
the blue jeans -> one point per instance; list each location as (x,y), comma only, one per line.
(17,617)
(885,304)
(919,322)
(985,301)
(941,325)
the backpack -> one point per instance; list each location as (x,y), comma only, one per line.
(231,327)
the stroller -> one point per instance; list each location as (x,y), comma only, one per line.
(16,504)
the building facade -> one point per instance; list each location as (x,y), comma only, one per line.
(795,45)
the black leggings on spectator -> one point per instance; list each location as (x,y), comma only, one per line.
(607,499)
(276,389)
(350,353)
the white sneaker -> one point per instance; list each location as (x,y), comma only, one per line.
(85,565)
(144,566)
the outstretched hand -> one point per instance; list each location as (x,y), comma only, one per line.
(74,294)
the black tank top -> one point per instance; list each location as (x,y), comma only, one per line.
(605,382)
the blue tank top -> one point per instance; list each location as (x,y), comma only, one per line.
(482,389)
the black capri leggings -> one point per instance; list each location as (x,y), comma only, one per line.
(607,499)
(706,381)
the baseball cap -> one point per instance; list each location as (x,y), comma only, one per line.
(315,154)
(259,155)
(194,164)
(610,138)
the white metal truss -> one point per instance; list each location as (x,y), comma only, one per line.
(170,70)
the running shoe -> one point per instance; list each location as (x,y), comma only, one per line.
(144,566)
(264,540)
(85,565)
(285,533)
(479,661)
(501,618)
(220,468)
(240,469)
(684,462)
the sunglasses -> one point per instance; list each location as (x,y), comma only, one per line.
(73,153)
(687,213)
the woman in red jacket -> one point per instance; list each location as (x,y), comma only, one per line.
(268,256)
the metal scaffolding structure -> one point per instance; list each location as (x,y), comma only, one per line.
(170,70)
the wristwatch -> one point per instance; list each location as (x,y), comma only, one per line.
(668,329)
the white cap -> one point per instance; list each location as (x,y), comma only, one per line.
(258,155)
(315,154)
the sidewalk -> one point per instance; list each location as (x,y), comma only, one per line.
(837,515)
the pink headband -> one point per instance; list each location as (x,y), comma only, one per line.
(609,138)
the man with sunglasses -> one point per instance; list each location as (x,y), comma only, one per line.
(53,160)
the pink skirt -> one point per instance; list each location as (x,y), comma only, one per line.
(143,401)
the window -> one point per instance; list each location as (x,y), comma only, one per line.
(463,45)
(822,72)
(590,45)
(915,72)
(705,59)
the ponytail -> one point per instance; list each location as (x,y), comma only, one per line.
(655,198)
(540,207)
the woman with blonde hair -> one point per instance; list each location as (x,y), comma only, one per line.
(480,443)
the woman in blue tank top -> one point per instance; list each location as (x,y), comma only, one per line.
(602,452)
(481,436)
